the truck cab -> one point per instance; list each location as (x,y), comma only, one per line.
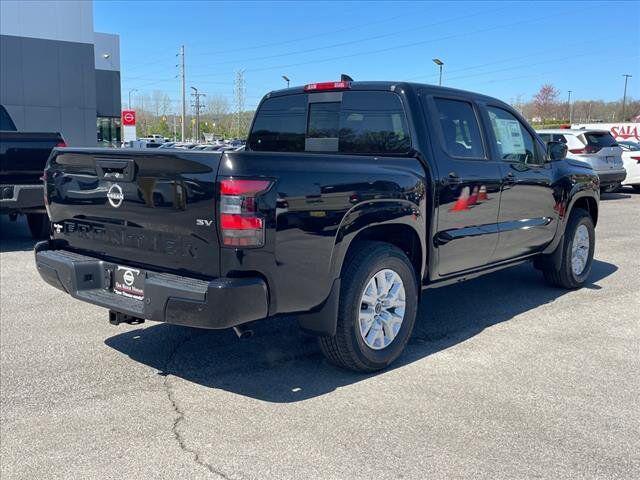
(350,198)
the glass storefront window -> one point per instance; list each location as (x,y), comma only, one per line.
(109,131)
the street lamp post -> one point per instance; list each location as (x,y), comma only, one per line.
(439,63)
(286,79)
(570,109)
(624,96)
(130,91)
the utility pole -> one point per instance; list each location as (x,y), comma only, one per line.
(130,92)
(175,134)
(570,108)
(184,93)
(624,96)
(197,106)
(239,101)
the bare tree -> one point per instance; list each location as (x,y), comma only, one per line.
(546,101)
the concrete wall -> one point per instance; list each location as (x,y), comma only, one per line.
(50,85)
(56,73)
(66,20)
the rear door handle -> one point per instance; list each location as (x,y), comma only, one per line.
(510,179)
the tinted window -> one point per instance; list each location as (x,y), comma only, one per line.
(600,139)
(373,122)
(5,120)
(280,125)
(364,122)
(514,142)
(460,128)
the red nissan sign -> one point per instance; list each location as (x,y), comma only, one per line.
(128,117)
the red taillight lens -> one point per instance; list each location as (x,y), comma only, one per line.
(240,224)
(591,149)
(243,187)
(577,150)
(316,87)
(637,159)
(61,143)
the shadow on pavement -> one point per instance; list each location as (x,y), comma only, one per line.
(15,236)
(281,364)
(615,195)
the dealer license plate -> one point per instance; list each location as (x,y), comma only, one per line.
(129,282)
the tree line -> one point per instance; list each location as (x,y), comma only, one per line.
(547,107)
(156,113)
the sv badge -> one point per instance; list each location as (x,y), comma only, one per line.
(203,222)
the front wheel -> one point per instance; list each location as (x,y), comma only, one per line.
(377,310)
(577,252)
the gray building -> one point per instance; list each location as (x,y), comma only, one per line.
(57,74)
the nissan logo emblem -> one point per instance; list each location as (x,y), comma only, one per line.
(115,195)
(128,278)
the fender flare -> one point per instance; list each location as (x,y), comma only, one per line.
(373,214)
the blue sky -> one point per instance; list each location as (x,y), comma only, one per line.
(503,49)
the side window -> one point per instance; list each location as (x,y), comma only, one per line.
(514,142)
(280,125)
(460,128)
(5,120)
(373,122)
(559,138)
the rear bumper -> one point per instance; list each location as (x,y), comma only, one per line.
(15,198)
(613,177)
(215,304)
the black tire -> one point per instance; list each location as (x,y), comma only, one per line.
(347,348)
(39,225)
(564,277)
(636,188)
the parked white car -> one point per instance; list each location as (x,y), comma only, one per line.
(631,160)
(598,148)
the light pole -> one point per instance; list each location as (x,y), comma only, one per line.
(132,90)
(570,109)
(624,96)
(440,63)
(286,79)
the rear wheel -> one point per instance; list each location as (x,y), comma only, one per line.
(38,225)
(577,253)
(377,311)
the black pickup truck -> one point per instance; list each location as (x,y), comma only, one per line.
(23,156)
(351,197)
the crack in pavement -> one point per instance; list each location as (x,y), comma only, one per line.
(180,414)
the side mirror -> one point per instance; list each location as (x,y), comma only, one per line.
(556,151)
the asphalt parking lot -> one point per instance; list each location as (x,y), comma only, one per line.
(504,378)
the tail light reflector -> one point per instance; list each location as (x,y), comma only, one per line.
(317,87)
(637,159)
(240,223)
(61,143)
(586,149)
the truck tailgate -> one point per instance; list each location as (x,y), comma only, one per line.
(152,209)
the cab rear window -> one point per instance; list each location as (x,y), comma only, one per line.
(600,139)
(359,122)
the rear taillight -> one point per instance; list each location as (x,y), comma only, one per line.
(587,149)
(317,87)
(637,159)
(61,143)
(240,222)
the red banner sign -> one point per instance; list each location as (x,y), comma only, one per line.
(128,117)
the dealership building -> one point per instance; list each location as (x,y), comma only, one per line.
(57,74)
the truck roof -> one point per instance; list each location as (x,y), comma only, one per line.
(389,85)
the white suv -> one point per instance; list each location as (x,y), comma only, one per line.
(631,159)
(598,148)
